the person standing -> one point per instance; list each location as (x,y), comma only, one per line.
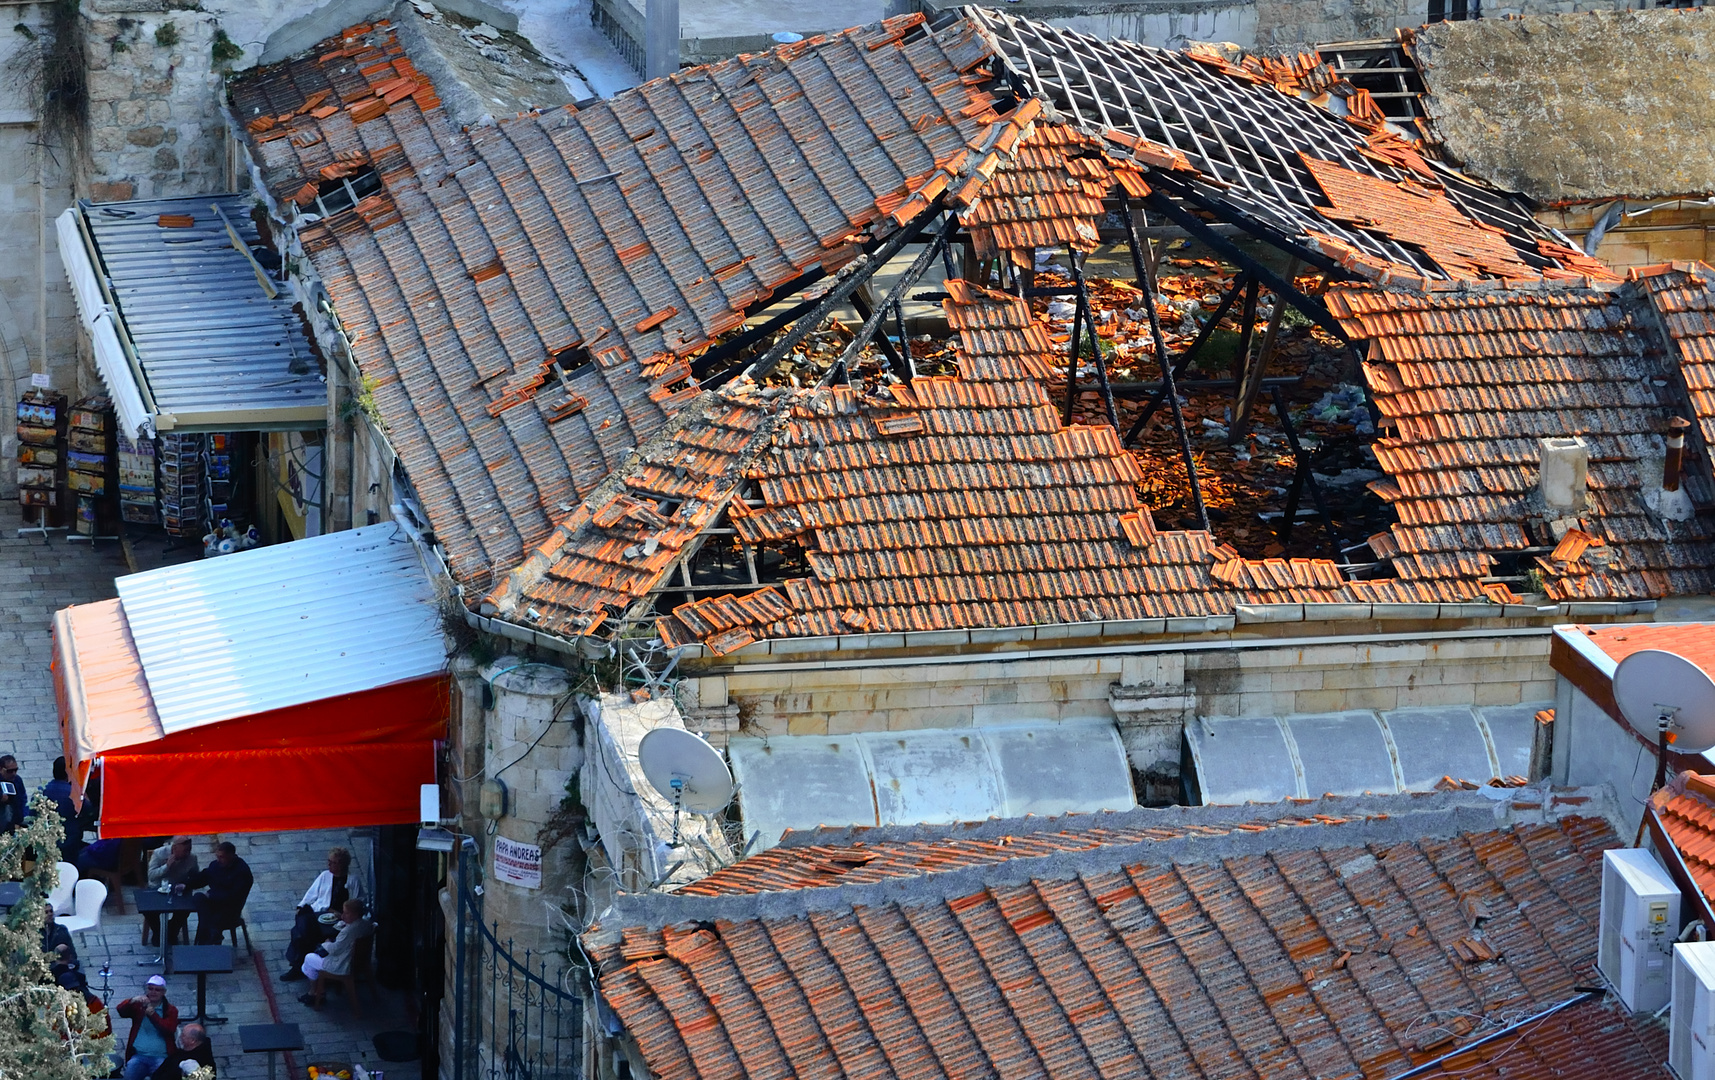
(229,881)
(59,791)
(329,892)
(154,1020)
(12,794)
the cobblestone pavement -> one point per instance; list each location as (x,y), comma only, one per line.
(37,579)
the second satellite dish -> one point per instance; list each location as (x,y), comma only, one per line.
(688,772)
(1651,683)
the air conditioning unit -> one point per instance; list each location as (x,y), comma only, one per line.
(1640,919)
(1691,1028)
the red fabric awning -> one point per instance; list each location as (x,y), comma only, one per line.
(353,759)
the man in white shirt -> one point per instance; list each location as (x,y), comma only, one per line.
(340,954)
(329,892)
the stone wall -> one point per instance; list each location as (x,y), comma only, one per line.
(38,321)
(1149,694)
(1671,234)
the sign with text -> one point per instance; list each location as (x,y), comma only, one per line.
(41,380)
(517,864)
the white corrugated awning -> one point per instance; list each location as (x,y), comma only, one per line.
(931,776)
(186,335)
(284,625)
(1269,758)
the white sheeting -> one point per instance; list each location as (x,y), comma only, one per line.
(929,776)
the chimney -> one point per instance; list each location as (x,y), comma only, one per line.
(1675,504)
(1563,476)
(660,38)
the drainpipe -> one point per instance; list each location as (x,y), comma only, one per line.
(1675,503)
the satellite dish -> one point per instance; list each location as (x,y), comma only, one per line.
(1653,683)
(688,772)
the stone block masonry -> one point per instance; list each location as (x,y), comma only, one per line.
(1149,695)
(154,102)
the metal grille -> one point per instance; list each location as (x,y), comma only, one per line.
(516,1018)
(1243,139)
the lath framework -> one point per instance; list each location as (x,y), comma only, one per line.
(1234,145)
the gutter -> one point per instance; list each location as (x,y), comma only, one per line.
(1135,650)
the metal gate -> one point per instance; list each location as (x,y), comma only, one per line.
(515,1018)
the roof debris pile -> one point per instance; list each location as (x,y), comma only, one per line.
(1127,945)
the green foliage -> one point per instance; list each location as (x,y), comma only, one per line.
(224,50)
(362,402)
(52,75)
(1218,352)
(167,35)
(46,1032)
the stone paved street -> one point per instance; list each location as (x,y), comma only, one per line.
(36,579)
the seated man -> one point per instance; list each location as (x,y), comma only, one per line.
(229,880)
(172,864)
(55,936)
(193,1052)
(153,1020)
(334,959)
(329,892)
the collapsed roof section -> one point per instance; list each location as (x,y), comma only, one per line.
(1367,940)
(526,294)
(950,502)
(1473,382)
(1236,141)
(533,298)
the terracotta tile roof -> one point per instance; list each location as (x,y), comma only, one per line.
(1049,195)
(637,229)
(1694,641)
(906,505)
(619,543)
(1470,381)
(820,866)
(1683,297)
(1687,811)
(1337,954)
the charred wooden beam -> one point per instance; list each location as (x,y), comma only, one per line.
(1146,282)
(1189,356)
(919,266)
(1302,477)
(839,294)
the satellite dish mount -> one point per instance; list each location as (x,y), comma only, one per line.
(687,771)
(1665,691)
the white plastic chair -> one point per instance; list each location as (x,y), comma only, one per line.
(89,895)
(60,896)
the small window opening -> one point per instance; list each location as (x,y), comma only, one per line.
(1454,10)
(332,196)
(573,361)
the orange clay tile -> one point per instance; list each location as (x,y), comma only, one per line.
(1083,952)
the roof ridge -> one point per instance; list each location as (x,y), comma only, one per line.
(1441,815)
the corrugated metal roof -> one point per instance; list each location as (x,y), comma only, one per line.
(283,625)
(215,351)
